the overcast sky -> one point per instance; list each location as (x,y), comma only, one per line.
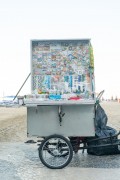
(22,20)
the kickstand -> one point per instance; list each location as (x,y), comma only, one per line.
(84,146)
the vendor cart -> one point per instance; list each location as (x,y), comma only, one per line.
(61,108)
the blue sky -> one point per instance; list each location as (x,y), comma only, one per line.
(22,20)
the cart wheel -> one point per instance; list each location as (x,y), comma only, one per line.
(55,152)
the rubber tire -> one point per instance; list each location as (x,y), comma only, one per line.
(70,148)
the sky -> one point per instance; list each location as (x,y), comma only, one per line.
(23,20)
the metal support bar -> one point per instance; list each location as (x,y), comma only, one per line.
(22,86)
(103,145)
(111,140)
(98,139)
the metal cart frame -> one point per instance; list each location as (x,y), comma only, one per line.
(57,146)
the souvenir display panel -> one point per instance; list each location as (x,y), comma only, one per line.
(63,69)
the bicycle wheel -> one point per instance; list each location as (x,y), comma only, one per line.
(55,152)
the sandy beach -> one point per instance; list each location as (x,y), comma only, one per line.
(13,121)
(13,125)
(20,161)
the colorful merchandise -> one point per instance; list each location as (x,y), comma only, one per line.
(63,66)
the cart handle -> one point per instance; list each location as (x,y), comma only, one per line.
(103,138)
(99,96)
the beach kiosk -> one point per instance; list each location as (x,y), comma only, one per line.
(62,99)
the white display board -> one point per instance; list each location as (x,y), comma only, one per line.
(62,69)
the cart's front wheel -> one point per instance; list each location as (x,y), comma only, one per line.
(55,152)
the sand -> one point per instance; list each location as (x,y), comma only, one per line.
(13,121)
(13,124)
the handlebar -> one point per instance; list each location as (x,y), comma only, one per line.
(100,95)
